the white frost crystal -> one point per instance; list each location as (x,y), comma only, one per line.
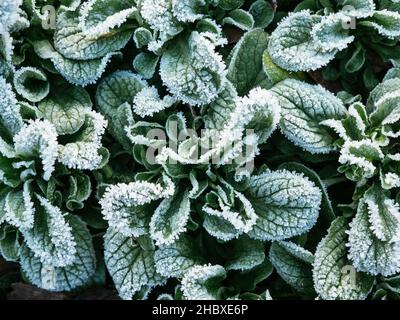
(38,137)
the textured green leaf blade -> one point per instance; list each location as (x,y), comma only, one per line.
(131,266)
(245,69)
(332,279)
(304,106)
(66,278)
(287,204)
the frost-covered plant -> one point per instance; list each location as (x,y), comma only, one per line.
(342,38)
(180,148)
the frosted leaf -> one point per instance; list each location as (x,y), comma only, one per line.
(304,107)
(240,19)
(286,203)
(291,45)
(6,52)
(386,109)
(145,63)
(202,282)
(115,90)
(79,191)
(259,110)
(51,238)
(294,265)
(385,22)
(86,153)
(367,252)
(32,84)
(187,10)
(78,72)
(9,12)
(19,208)
(330,34)
(245,68)
(359,8)
(38,138)
(98,17)
(192,71)
(244,254)
(354,126)
(147,102)
(389,180)
(72,43)
(124,205)
(158,14)
(142,37)
(231,219)
(65,108)
(385,88)
(332,279)
(10,117)
(218,112)
(130,264)
(67,278)
(170,219)
(384,214)
(140,134)
(174,260)
(359,157)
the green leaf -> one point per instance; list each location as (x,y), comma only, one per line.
(130,264)
(326,206)
(66,278)
(51,238)
(32,84)
(357,60)
(231,215)
(145,64)
(218,112)
(304,107)
(192,70)
(9,244)
(10,118)
(334,277)
(330,34)
(368,252)
(243,254)
(128,207)
(38,139)
(294,264)
(142,37)
(170,219)
(262,13)
(230,4)
(72,43)
(78,72)
(117,89)
(203,282)
(101,16)
(65,108)
(240,19)
(276,74)
(19,208)
(245,69)
(249,279)
(362,8)
(79,191)
(287,204)
(385,22)
(292,46)
(174,260)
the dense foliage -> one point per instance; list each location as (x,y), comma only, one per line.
(201,149)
